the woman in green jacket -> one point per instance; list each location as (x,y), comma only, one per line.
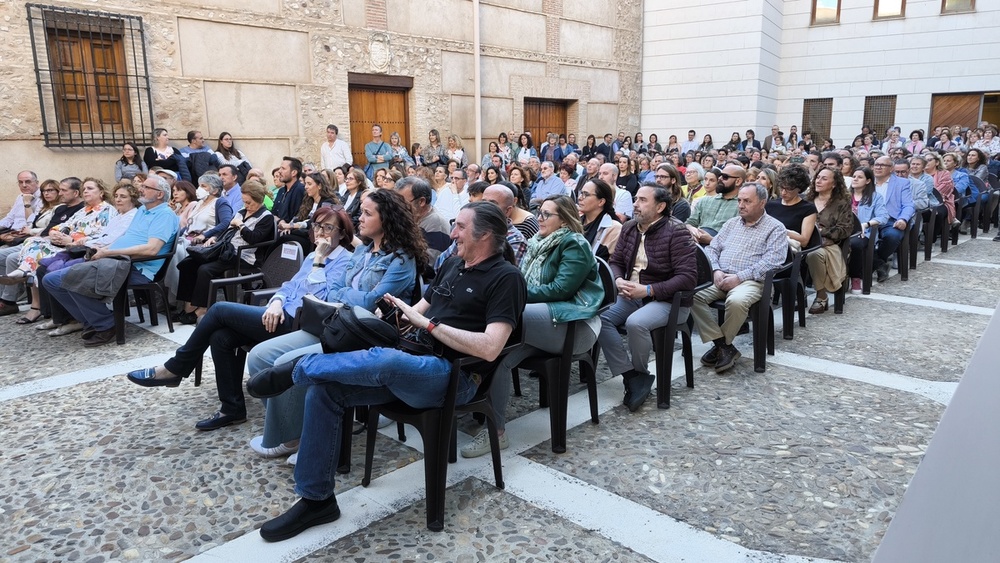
(563,285)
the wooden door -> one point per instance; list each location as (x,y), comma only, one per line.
(955,109)
(542,116)
(369,106)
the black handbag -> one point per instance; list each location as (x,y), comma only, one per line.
(222,249)
(356,328)
(241,171)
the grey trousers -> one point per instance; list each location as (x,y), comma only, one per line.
(541,335)
(639,321)
(9,257)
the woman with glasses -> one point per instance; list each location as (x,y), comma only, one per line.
(796,214)
(228,326)
(596,204)
(319,194)
(563,286)
(394,250)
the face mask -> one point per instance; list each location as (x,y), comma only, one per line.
(201,193)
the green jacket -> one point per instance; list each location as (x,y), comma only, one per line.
(572,286)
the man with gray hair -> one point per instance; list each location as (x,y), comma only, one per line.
(548,185)
(746,248)
(437,232)
(623,199)
(151,233)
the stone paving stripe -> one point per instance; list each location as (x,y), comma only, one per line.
(929,303)
(940,391)
(647,531)
(963,263)
(77,377)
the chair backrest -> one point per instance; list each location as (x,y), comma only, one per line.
(282,264)
(994,181)
(162,272)
(608,281)
(815,241)
(704,269)
(978,182)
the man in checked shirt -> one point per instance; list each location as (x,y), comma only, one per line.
(746,248)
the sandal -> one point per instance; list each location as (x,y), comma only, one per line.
(818,306)
(26,320)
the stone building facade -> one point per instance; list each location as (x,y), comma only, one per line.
(274,73)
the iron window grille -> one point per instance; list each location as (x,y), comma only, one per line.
(92,76)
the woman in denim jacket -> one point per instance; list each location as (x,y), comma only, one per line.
(388,263)
(869,206)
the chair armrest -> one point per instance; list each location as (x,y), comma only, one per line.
(259,296)
(214,285)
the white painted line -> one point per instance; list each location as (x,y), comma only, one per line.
(964,263)
(98,373)
(640,528)
(957,307)
(940,391)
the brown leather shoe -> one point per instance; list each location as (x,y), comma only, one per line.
(7,309)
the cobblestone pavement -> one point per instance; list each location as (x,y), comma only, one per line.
(805,462)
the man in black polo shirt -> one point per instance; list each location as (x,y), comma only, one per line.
(472,308)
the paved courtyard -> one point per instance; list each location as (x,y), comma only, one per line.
(806,462)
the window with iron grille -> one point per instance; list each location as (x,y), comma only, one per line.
(92,76)
(880,114)
(816,117)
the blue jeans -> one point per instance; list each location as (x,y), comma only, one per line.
(89,311)
(336,382)
(225,328)
(889,239)
(283,419)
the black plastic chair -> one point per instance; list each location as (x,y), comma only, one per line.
(554,370)
(792,288)
(761,318)
(148,290)
(664,337)
(231,293)
(978,208)
(436,427)
(840,296)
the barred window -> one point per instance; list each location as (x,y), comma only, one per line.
(816,117)
(880,114)
(92,74)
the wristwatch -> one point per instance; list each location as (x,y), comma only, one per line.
(432,323)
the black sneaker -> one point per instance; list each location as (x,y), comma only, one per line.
(710,357)
(882,272)
(727,358)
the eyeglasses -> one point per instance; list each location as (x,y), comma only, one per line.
(545,215)
(584,195)
(661,176)
(325,228)
(877,165)
(725,176)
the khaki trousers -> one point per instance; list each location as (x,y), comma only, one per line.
(738,302)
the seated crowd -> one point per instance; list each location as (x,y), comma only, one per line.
(465,251)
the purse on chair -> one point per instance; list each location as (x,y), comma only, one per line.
(345,329)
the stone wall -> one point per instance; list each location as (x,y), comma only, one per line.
(273,73)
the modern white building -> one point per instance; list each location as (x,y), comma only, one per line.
(828,66)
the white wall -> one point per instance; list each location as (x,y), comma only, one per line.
(728,65)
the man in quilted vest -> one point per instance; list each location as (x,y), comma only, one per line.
(654,258)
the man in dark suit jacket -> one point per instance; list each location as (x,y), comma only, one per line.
(769,140)
(605,148)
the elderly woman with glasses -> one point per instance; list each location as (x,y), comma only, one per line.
(228,326)
(563,286)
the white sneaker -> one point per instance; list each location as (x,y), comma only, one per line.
(256,444)
(47,325)
(480,445)
(292,458)
(68,328)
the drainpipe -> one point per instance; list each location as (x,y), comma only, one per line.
(476,80)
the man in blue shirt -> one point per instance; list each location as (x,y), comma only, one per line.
(231,187)
(548,184)
(377,152)
(151,233)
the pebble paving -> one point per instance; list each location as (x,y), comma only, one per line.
(789,462)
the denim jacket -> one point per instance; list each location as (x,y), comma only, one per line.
(876,210)
(393,273)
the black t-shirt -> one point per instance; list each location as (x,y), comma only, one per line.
(471,298)
(791,216)
(63,213)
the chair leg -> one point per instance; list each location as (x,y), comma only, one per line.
(688,358)
(163,294)
(346,441)
(516,376)
(558,399)
(435,467)
(491,425)
(663,349)
(119,305)
(800,303)
(370,446)
(788,309)
(591,389)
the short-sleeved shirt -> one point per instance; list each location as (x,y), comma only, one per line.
(492,291)
(159,222)
(791,216)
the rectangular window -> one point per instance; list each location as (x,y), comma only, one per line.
(816,117)
(880,114)
(949,6)
(93,83)
(825,11)
(890,9)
